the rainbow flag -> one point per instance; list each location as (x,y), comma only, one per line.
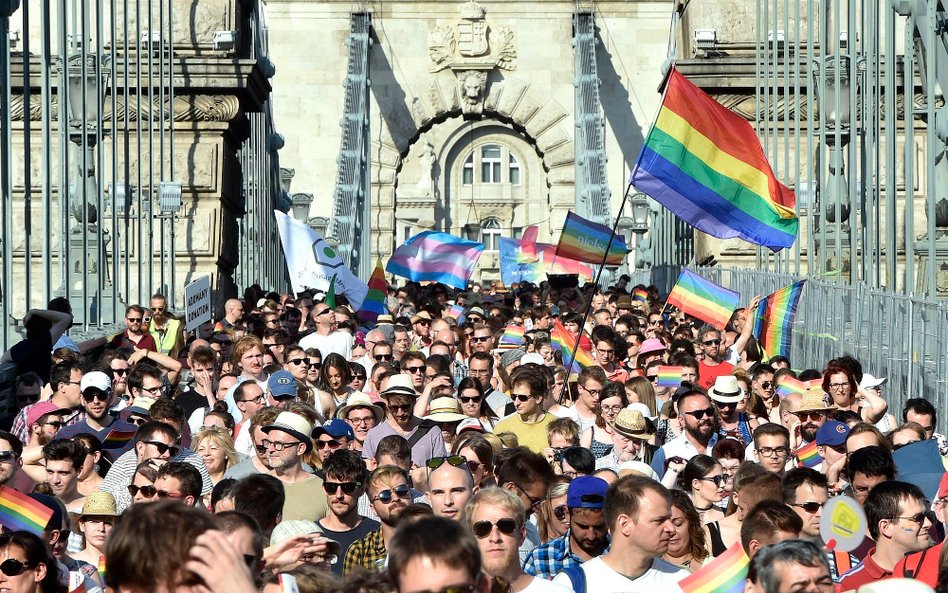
(789,385)
(705,163)
(457,311)
(807,455)
(512,338)
(584,240)
(19,512)
(117,438)
(773,323)
(516,265)
(669,376)
(436,257)
(640,295)
(374,303)
(528,243)
(101,569)
(563,341)
(725,574)
(703,299)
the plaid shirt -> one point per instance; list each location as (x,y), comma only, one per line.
(548,560)
(368,553)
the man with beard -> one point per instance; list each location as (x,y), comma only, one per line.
(496,517)
(97,399)
(165,329)
(135,334)
(45,421)
(483,339)
(638,513)
(586,538)
(390,494)
(65,380)
(814,406)
(288,441)
(345,478)
(399,396)
(698,435)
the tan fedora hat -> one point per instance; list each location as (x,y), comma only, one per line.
(631,424)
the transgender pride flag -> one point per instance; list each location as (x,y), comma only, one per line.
(436,257)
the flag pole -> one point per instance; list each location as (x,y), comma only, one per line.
(605,258)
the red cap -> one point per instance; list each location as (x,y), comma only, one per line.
(40,409)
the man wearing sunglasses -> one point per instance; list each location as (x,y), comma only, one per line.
(712,365)
(289,439)
(65,380)
(587,536)
(696,415)
(327,338)
(344,482)
(165,329)
(762,383)
(898,524)
(334,435)
(97,398)
(11,449)
(423,436)
(45,421)
(136,332)
(389,492)
(450,486)
(925,565)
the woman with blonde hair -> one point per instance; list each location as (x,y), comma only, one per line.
(216,448)
(640,390)
(552,514)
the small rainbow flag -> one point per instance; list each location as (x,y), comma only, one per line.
(563,341)
(584,240)
(117,438)
(669,376)
(19,512)
(457,311)
(513,336)
(374,303)
(101,569)
(773,321)
(807,456)
(703,299)
(725,574)
(640,295)
(789,385)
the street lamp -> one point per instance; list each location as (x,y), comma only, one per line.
(832,88)
(641,213)
(472,231)
(300,203)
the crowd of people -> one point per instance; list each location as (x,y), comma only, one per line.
(445,448)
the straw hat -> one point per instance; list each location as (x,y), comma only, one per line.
(293,424)
(445,409)
(99,504)
(631,424)
(360,400)
(815,401)
(726,390)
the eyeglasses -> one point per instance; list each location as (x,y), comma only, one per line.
(916,518)
(302,361)
(133,319)
(838,386)
(152,390)
(521,397)
(147,491)
(55,424)
(7,456)
(592,392)
(385,357)
(715,342)
(347,487)
(699,414)
(810,507)
(332,444)
(560,512)
(470,400)
(278,445)
(484,528)
(814,416)
(718,480)
(773,451)
(163,448)
(414,370)
(386,496)
(480,338)
(13,567)
(91,396)
(454,460)
(610,409)
(258,399)
(478,372)
(533,501)
(365,420)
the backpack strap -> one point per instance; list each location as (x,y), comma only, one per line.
(423,429)
(577,577)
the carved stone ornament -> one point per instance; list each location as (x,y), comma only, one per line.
(210,108)
(471,50)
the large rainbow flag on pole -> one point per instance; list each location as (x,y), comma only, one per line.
(703,299)
(436,257)
(774,317)
(374,303)
(584,240)
(705,163)
(725,574)
(563,341)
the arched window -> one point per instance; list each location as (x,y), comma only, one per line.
(488,161)
(490,234)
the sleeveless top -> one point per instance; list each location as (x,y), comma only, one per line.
(600,449)
(717,543)
(743,430)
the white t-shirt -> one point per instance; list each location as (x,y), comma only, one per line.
(662,577)
(538,585)
(584,423)
(338,342)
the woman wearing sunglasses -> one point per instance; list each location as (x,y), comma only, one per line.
(552,514)
(703,478)
(474,404)
(25,565)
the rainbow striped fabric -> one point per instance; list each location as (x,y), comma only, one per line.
(101,569)
(808,456)
(436,257)
(512,338)
(669,376)
(117,438)
(705,163)
(788,385)
(19,512)
(703,299)
(586,241)
(457,311)
(563,341)
(773,323)
(725,574)
(374,303)
(640,295)
(517,265)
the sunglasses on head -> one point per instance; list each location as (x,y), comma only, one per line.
(147,491)
(483,528)
(385,496)
(13,567)
(699,414)
(347,487)
(455,460)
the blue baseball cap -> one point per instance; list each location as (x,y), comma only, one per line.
(282,384)
(587,492)
(335,428)
(832,433)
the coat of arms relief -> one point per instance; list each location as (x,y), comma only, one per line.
(471,50)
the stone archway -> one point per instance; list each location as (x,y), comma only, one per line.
(545,124)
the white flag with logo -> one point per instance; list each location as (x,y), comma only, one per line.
(312,262)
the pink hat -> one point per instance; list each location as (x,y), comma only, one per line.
(651,345)
(41,409)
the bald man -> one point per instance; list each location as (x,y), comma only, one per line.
(233,313)
(371,339)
